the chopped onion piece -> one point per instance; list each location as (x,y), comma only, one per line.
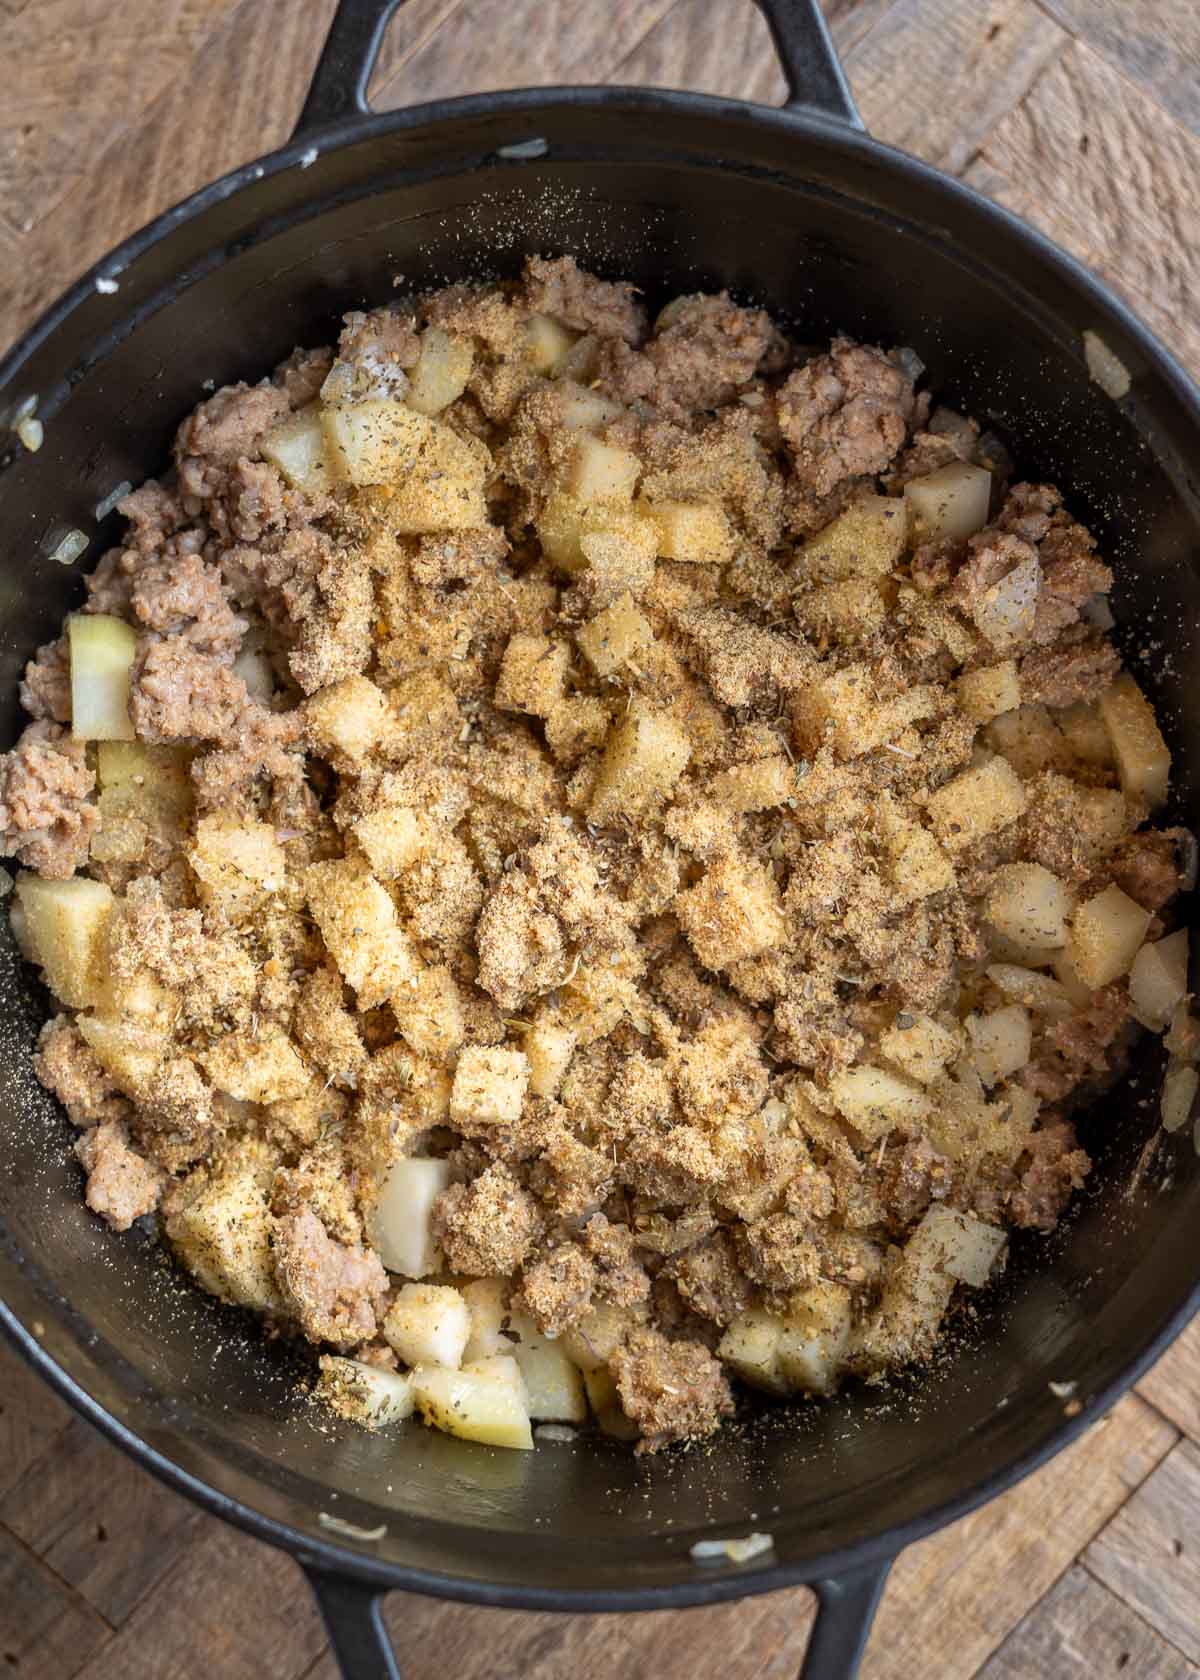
(117,494)
(32,434)
(1178,1096)
(1105,366)
(68,548)
(739,1550)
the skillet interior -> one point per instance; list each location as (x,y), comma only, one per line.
(679,193)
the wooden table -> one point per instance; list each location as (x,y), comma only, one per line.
(1081,115)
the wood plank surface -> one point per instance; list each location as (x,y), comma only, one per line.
(1082,115)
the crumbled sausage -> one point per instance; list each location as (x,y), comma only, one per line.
(486,1228)
(67,1065)
(47,815)
(122,1185)
(673,1391)
(335,1289)
(844,415)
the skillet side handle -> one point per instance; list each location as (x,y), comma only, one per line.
(353,1617)
(815,78)
(339,85)
(846,1606)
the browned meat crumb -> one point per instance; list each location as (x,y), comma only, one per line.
(557,286)
(47,816)
(335,1289)
(673,1391)
(66,1065)
(1146,866)
(46,685)
(1054,1167)
(1062,676)
(844,415)
(122,1185)
(486,1228)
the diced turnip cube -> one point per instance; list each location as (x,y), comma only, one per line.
(428,1324)
(400,1224)
(102,651)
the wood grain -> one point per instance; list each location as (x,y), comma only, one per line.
(1081,1630)
(1054,160)
(46,1631)
(31,1418)
(1153,42)
(242,1608)
(1149,1554)
(1173,1386)
(97,1521)
(980,1576)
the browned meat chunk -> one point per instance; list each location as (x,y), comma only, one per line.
(557,1289)
(187,600)
(711,1279)
(486,1228)
(47,815)
(1060,676)
(122,1185)
(1052,1168)
(180,693)
(673,1391)
(844,415)
(1146,865)
(335,1289)
(557,286)
(46,687)
(66,1065)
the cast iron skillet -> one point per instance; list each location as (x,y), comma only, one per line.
(799,209)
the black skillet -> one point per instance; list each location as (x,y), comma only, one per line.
(799,209)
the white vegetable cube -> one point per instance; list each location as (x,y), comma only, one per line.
(615,637)
(1106,933)
(369,1394)
(601,472)
(129,1052)
(591,1343)
(619,548)
(989,691)
(750,1346)
(920,1046)
(489,1086)
(546,343)
(445,491)
(1178,1097)
(66,933)
(428,1324)
(559,528)
(429,1013)
(645,756)
(348,718)
(1029,739)
(815,1338)
(222,1233)
(262,1067)
(487,1303)
(238,863)
(102,650)
(483,1402)
(866,540)
(297,447)
(357,921)
(377,441)
(699,532)
(553,1385)
(1028,905)
(975,804)
(874,1100)
(549,1046)
(1143,761)
(1036,991)
(1158,980)
(962,1245)
(1083,728)
(733,913)
(393,837)
(442,370)
(951,502)
(1000,1042)
(533,675)
(584,410)
(400,1225)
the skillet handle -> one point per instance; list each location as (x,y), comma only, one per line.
(846,1606)
(353,1617)
(815,78)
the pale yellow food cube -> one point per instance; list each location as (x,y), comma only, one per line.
(238,864)
(699,532)
(618,548)
(1106,933)
(66,934)
(733,912)
(367,1394)
(429,1013)
(989,691)
(757,785)
(549,1046)
(591,1342)
(393,837)
(919,867)
(428,1324)
(102,650)
(1000,1042)
(482,1402)
(576,725)
(601,472)
(130,1052)
(222,1233)
(620,634)
(866,540)
(400,1224)
(843,710)
(148,779)
(585,410)
(297,447)
(1158,980)
(1143,759)
(750,1347)
(348,718)
(951,502)
(1029,905)
(976,803)
(377,441)
(489,1086)
(846,611)
(445,492)
(441,373)
(559,527)
(357,921)
(919,1046)
(646,754)
(546,343)
(1030,740)
(553,1385)
(965,1247)
(815,1338)
(1083,729)
(875,1101)
(1178,1097)
(262,1067)
(533,674)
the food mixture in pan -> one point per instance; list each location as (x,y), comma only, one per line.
(581,859)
